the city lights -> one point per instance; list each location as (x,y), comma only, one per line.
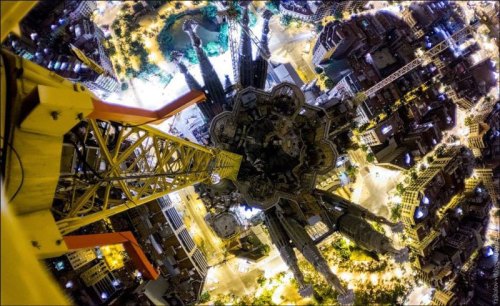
(256,152)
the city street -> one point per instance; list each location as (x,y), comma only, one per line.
(372,187)
(289,45)
(419,296)
(370,190)
(194,212)
(107,12)
(228,277)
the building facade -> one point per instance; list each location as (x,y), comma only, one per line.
(162,232)
(445,221)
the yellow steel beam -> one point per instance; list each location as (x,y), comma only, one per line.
(146,164)
(24,280)
(12,13)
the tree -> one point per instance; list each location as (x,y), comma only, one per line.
(440,150)
(124,86)
(273,6)
(252,19)
(400,188)
(261,280)
(128,18)
(370,158)
(209,12)
(266,249)
(430,159)
(413,175)
(212,49)
(204,297)
(224,36)
(329,83)
(352,171)
(190,55)
(285,20)
(319,27)
(318,70)
(178,5)
(130,72)
(118,31)
(118,68)
(264,299)
(165,41)
(395,212)
(171,19)
(468,121)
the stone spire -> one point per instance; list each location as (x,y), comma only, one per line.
(261,62)
(281,240)
(306,246)
(245,55)
(213,86)
(190,80)
(264,39)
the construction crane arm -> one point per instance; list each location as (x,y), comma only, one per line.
(428,55)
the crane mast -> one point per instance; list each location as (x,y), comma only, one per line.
(231,14)
(233,46)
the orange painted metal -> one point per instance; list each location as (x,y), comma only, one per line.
(129,243)
(133,115)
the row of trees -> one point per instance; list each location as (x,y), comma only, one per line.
(213,48)
(329,84)
(396,212)
(165,38)
(209,12)
(273,6)
(136,48)
(224,36)
(286,20)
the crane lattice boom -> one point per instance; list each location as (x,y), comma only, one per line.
(139,164)
(429,54)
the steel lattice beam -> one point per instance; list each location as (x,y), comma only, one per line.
(440,47)
(233,45)
(136,165)
(396,75)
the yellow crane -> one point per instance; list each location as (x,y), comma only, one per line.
(134,160)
